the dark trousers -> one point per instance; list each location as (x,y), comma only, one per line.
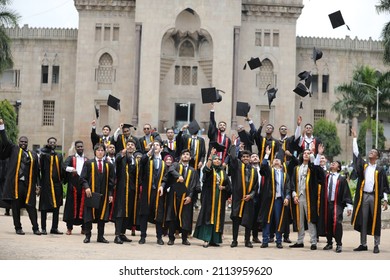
(121,225)
(172,230)
(100,228)
(256,224)
(338,232)
(54,224)
(143,223)
(236,225)
(32,214)
(69,225)
(276,213)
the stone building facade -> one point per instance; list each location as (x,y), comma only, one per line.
(155,56)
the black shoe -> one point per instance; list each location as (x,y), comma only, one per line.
(160,241)
(205,244)
(264,245)
(279,245)
(124,238)
(171,242)
(297,245)
(287,240)
(102,240)
(37,232)
(87,240)
(339,249)
(118,240)
(55,231)
(141,241)
(43,232)
(376,249)
(214,244)
(271,240)
(361,248)
(20,232)
(7,213)
(186,242)
(234,244)
(256,240)
(248,244)
(328,247)
(313,247)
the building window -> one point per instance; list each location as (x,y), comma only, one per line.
(48,113)
(266,75)
(105,70)
(185,75)
(56,75)
(98,32)
(258,38)
(187,49)
(10,79)
(314,84)
(45,74)
(267,38)
(107,32)
(275,38)
(115,33)
(177,75)
(194,76)
(325,83)
(319,114)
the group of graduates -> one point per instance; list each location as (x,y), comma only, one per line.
(134,181)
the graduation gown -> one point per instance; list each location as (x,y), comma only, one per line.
(102,183)
(241,187)
(198,154)
(381,185)
(215,136)
(96,138)
(51,180)
(74,192)
(120,143)
(16,158)
(143,143)
(176,210)
(342,196)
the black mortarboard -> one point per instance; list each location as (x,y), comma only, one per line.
(242,109)
(218,147)
(94,200)
(211,95)
(301,90)
(253,63)
(193,127)
(271,93)
(127,125)
(307,77)
(317,54)
(113,102)
(96,112)
(336,19)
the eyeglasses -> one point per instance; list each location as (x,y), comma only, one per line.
(282,128)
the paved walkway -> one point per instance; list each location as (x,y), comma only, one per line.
(63,247)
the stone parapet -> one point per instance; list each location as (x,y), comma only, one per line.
(42,33)
(340,44)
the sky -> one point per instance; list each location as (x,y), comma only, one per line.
(360,16)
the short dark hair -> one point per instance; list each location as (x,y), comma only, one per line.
(109,127)
(78,142)
(245,152)
(97,146)
(309,124)
(131,140)
(169,128)
(185,151)
(48,139)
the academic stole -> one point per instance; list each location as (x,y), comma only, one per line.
(29,176)
(183,196)
(53,194)
(93,184)
(136,191)
(376,201)
(334,204)
(284,184)
(151,182)
(74,188)
(197,151)
(218,222)
(220,139)
(263,144)
(244,187)
(145,143)
(307,190)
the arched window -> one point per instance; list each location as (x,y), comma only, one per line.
(266,75)
(105,69)
(186,49)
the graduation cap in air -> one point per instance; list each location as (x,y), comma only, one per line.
(271,93)
(307,77)
(317,54)
(253,63)
(336,19)
(242,109)
(211,95)
(193,127)
(127,125)
(96,112)
(114,102)
(218,147)
(301,90)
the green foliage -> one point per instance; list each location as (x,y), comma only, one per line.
(327,132)
(8,114)
(362,136)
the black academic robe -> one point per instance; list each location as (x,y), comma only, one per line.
(102,183)
(52,177)
(16,158)
(242,187)
(268,193)
(341,198)
(174,151)
(74,192)
(3,175)
(381,186)
(303,146)
(213,211)
(215,136)
(176,210)
(150,202)
(98,138)
(143,143)
(198,154)
(314,172)
(120,143)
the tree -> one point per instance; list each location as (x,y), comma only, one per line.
(359,96)
(327,132)
(384,7)
(8,18)
(8,114)
(362,132)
